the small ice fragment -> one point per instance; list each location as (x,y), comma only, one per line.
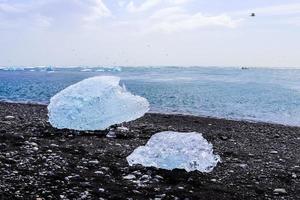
(111,134)
(94,162)
(280,191)
(124,87)
(35,149)
(95,104)
(129,177)
(170,150)
(243,165)
(9,117)
(122,129)
(54,145)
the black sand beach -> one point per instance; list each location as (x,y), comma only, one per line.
(259,160)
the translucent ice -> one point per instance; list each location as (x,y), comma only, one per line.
(95,104)
(170,150)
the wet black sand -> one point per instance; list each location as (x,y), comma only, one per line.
(260,161)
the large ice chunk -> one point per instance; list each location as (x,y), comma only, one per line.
(170,150)
(95,104)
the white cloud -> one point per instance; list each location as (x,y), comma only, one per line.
(148,4)
(284,14)
(121,3)
(5,7)
(175,19)
(179,1)
(285,9)
(43,21)
(46,13)
(98,10)
(171,16)
(23,15)
(167,13)
(274,10)
(292,21)
(142,40)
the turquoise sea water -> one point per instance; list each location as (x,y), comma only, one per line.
(269,95)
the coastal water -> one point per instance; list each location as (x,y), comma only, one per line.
(269,95)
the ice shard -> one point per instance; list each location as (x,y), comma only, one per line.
(95,104)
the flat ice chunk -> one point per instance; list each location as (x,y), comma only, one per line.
(95,104)
(170,150)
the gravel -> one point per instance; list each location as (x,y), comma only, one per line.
(38,161)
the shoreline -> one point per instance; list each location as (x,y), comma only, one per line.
(173,114)
(259,160)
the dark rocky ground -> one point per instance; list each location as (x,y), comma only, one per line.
(260,161)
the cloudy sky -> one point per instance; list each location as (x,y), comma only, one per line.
(150,32)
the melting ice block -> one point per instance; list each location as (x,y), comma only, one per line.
(170,150)
(95,104)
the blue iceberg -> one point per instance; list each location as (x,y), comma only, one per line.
(95,104)
(170,150)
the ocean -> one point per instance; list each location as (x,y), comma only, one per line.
(255,94)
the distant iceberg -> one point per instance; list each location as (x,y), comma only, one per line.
(95,104)
(115,69)
(170,150)
(86,70)
(108,69)
(12,68)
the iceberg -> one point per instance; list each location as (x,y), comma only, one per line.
(170,150)
(95,104)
